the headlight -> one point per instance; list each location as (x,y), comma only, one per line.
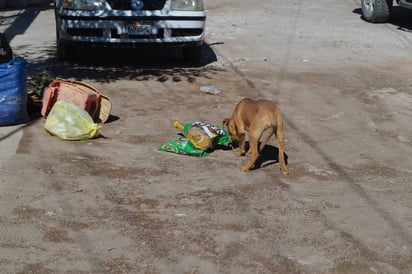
(84,4)
(187,5)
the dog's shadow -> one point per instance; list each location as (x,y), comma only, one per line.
(268,156)
(221,147)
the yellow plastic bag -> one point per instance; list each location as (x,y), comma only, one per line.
(70,122)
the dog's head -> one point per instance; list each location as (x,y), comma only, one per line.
(231,129)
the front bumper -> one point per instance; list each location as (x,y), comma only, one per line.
(114,27)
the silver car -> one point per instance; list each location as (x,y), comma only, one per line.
(130,23)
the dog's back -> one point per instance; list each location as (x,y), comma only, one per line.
(260,111)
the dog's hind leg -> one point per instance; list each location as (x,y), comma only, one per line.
(279,135)
(270,132)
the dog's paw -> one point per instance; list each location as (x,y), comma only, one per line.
(239,153)
(250,154)
(285,171)
(244,168)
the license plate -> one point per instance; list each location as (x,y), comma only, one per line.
(139,28)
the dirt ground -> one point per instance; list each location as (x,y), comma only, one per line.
(116,204)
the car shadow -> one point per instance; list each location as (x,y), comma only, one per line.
(108,64)
(163,56)
(400,17)
(103,65)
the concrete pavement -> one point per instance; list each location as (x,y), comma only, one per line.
(21,28)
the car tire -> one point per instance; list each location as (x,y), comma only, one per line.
(63,51)
(376,11)
(193,53)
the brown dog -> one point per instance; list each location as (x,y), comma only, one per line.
(255,116)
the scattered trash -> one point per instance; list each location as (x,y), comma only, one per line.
(210,89)
(80,94)
(13,92)
(198,138)
(70,122)
(203,135)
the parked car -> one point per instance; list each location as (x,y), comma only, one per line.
(130,23)
(379,11)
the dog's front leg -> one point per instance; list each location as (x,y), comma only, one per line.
(253,150)
(241,151)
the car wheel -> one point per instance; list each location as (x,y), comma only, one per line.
(193,54)
(376,11)
(63,51)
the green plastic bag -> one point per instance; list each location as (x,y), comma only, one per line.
(70,122)
(198,138)
(182,146)
(217,134)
